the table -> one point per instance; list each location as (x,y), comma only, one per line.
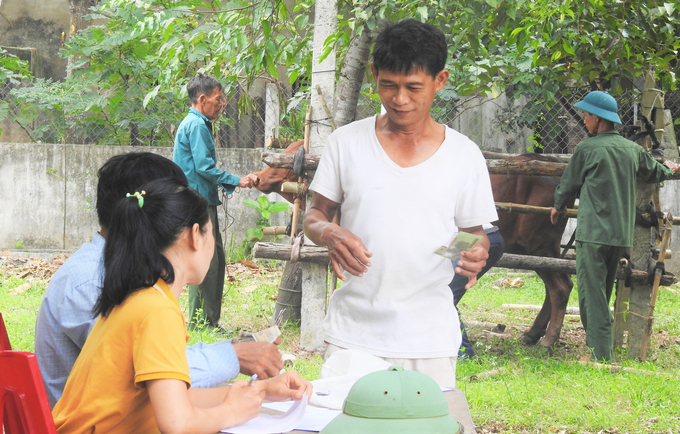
(458,408)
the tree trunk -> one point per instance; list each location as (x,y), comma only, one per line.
(351,77)
(78,9)
(288,301)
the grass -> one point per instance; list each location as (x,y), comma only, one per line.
(538,391)
(546,391)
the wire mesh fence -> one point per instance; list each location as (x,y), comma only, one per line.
(499,124)
(38,114)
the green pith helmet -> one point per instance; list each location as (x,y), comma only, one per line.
(394,401)
(600,104)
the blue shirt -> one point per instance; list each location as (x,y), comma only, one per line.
(194,152)
(65,320)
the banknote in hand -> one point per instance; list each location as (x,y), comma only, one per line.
(463,241)
(267,335)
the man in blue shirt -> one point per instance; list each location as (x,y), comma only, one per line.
(194,152)
(65,317)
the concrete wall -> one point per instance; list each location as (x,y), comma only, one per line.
(48,193)
(478,121)
(37,24)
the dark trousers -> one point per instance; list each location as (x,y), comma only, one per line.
(458,283)
(208,295)
(596,266)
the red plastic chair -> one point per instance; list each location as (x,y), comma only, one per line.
(4,339)
(24,408)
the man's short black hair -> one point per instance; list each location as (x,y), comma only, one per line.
(202,85)
(408,46)
(125,173)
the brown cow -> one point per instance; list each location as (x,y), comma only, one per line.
(525,234)
(532,234)
(269,180)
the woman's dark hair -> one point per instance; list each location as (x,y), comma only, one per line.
(409,45)
(126,172)
(202,84)
(138,236)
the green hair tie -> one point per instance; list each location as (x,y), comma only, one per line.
(139,196)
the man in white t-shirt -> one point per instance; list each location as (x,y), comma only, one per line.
(405,183)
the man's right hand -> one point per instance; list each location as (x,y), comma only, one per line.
(261,358)
(345,250)
(247,181)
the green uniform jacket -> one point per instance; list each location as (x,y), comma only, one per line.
(194,152)
(603,169)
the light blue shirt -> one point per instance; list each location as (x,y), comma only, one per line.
(65,319)
(194,152)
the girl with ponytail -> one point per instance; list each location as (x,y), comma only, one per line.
(132,374)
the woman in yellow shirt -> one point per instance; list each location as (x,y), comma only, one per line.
(132,374)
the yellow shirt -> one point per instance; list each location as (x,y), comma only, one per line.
(143,338)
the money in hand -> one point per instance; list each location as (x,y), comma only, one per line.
(463,241)
(267,335)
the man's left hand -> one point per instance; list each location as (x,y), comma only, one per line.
(471,263)
(261,358)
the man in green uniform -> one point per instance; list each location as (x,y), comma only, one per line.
(603,170)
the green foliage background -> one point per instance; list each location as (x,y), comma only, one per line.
(128,70)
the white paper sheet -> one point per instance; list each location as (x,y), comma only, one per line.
(316,418)
(268,424)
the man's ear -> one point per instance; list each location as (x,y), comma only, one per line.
(441,79)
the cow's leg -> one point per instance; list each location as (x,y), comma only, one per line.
(558,287)
(537,330)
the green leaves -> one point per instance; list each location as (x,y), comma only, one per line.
(266,208)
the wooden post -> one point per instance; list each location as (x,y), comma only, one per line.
(655,289)
(296,203)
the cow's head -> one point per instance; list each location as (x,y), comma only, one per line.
(269,180)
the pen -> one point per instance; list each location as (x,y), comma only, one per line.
(253,378)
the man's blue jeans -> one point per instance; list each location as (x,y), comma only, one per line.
(458,283)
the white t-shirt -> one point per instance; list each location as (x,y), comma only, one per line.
(402,307)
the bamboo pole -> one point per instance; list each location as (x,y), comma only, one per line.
(274,230)
(655,291)
(534,307)
(520,262)
(487,374)
(616,368)
(495,167)
(325,107)
(529,209)
(316,254)
(531,168)
(503,156)
(537,263)
(291,187)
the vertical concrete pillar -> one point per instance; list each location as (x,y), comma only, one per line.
(271,113)
(314,276)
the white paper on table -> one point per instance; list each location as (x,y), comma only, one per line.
(268,423)
(316,418)
(339,373)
